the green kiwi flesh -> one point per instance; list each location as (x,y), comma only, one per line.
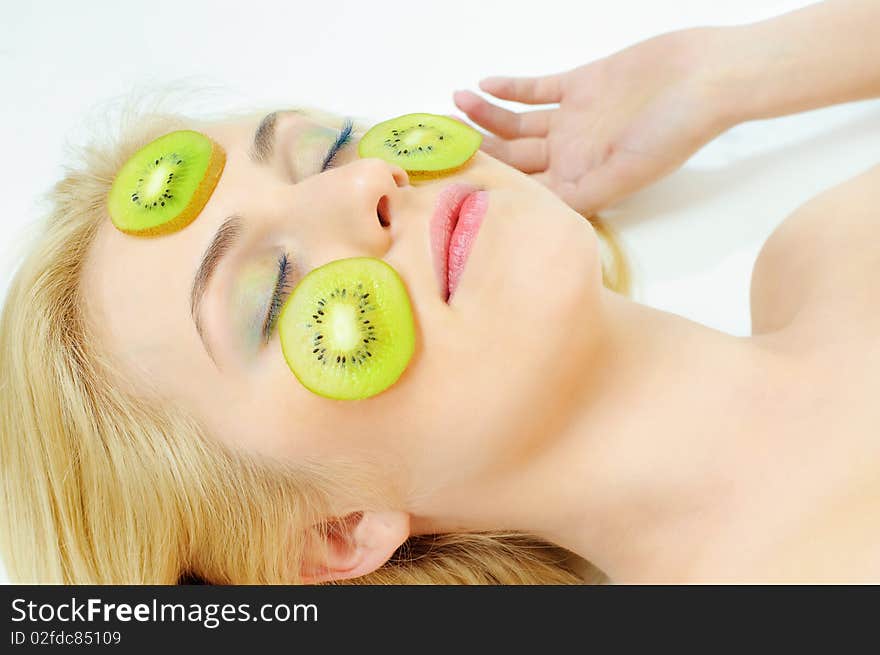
(347,329)
(424,145)
(165,184)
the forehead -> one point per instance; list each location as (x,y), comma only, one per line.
(137,289)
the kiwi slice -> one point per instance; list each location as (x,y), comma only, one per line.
(347,330)
(424,145)
(165,184)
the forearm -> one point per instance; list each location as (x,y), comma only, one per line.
(821,55)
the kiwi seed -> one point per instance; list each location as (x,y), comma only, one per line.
(424,145)
(347,330)
(165,184)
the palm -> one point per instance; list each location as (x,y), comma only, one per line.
(619,124)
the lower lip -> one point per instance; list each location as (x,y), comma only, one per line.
(470,217)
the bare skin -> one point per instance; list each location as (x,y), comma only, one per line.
(700,458)
(801,500)
(628,119)
(659,449)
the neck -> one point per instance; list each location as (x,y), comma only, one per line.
(653,458)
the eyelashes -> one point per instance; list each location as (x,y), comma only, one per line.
(282,283)
(341,141)
(279,294)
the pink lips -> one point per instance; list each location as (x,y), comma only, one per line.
(459,212)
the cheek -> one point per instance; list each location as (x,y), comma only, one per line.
(519,331)
(287,422)
(534,274)
(561,276)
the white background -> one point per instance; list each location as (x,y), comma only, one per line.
(692,238)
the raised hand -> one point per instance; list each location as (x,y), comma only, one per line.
(619,124)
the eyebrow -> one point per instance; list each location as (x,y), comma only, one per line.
(224,239)
(229,232)
(264,139)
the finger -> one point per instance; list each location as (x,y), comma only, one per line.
(504,123)
(528,155)
(565,190)
(528,90)
(488,144)
(464,122)
(616,178)
(545,178)
(595,191)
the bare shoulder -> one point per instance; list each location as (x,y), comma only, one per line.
(822,264)
(816,292)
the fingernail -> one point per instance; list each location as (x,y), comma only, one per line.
(490,80)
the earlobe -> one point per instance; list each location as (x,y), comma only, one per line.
(355,545)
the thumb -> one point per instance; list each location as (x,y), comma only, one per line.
(594,190)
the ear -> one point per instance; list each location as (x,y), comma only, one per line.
(353,545)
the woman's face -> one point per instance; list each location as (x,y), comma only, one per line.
(491,366)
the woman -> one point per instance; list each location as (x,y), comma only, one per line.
(137,446)
(154,448)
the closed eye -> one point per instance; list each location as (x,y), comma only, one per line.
(282,287)
(279,295)
(341,140)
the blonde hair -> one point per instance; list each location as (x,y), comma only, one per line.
(104,485)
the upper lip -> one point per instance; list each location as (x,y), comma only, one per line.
(443,221)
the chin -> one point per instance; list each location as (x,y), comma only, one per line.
(565,279)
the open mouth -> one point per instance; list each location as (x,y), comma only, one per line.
(454,226)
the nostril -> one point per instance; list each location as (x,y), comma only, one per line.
(382,212)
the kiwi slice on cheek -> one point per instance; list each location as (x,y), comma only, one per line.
(424,145)
(347,329)
(165,184)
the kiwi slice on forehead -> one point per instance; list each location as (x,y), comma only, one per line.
(165,184)
(424,145)
(347,329)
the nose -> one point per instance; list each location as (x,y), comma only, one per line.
(363,197)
